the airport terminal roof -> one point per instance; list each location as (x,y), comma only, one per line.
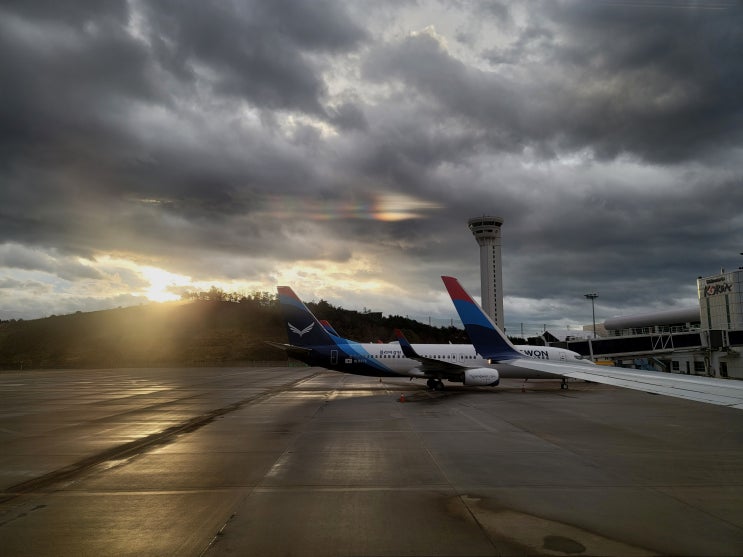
(667,317)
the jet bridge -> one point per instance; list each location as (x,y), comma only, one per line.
(706,339)
(639,345)
(704,352)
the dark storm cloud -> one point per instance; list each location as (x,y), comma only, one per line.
(66,80)
(258,51)
(63,78)
(485,100)
(82,84)
(677,82)
(73,12)
(232,139)
(348,116)
(660,84)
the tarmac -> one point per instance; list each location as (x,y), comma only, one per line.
(303,461)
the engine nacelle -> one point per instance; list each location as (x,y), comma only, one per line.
(482,376)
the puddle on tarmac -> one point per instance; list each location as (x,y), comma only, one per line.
(541,536)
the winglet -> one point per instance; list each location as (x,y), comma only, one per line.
(485,335)
(407,348)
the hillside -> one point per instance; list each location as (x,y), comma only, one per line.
(198,332)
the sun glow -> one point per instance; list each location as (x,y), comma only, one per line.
(162,284)
(125,276)
(316,279)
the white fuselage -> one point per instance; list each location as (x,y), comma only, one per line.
(391,356)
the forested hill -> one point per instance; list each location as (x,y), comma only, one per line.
(196,332)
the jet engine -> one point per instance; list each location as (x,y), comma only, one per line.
(481,376)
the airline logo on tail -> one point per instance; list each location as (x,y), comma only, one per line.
(301,332)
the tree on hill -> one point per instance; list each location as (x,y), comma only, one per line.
(212,328)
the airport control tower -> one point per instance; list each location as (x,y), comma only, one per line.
(486,231)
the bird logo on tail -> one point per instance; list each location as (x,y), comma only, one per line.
(301,332)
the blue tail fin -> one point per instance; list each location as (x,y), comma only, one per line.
(485,335)
(302,327)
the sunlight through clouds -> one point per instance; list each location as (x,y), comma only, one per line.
(161,284)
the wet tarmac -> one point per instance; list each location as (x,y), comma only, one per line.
(301,461)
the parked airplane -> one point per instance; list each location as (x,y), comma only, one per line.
(463,351)
(490,341)
(317,343)
(539,352)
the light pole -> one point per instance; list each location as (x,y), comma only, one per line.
(593,297)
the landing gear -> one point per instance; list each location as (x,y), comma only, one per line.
(564,384)
(435,384)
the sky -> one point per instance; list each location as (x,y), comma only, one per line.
(150,148)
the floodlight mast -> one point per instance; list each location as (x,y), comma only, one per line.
(593,297)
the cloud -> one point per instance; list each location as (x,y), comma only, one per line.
(345,145)
(613,79)
(14,256)
(260,52)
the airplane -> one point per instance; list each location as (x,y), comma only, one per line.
(493,345)
(316,343)
(539,352)
(328,327)
(509,372)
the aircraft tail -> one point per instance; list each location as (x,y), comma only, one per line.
(302,327)
(328,327)
(485,335)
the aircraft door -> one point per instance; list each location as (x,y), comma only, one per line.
(333,357)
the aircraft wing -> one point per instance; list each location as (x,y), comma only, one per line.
(492,344)
(725,392)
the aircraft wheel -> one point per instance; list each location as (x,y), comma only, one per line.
(431,384)
(439,385)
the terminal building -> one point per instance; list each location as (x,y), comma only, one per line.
(704,340)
